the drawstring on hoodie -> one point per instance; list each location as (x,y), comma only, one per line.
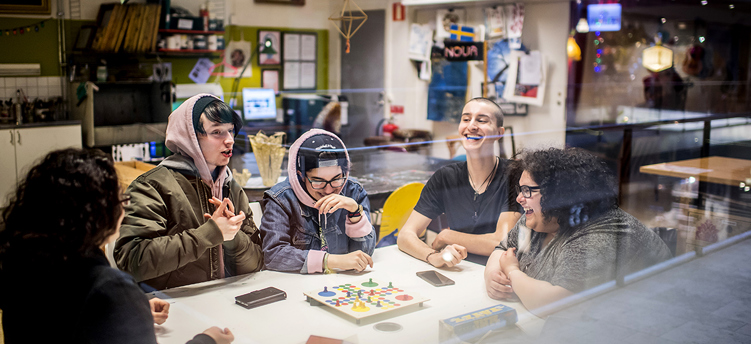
(324,245)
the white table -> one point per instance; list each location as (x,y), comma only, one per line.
(197,307)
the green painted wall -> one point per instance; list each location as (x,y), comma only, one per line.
(30,47)
(42,47)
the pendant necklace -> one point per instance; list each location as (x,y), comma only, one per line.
(471,183)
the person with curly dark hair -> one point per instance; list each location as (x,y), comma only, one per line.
(56,285)
(573,236)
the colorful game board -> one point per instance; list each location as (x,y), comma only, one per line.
(364,299)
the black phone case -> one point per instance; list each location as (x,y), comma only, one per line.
(260,297)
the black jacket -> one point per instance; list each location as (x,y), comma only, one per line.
(82,300)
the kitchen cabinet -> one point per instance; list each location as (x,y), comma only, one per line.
(23,146)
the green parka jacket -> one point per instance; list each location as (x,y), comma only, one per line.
(165,241)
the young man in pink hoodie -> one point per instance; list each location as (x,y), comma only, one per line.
(189,221)
(318,220)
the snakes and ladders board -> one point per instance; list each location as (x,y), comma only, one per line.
(364,299)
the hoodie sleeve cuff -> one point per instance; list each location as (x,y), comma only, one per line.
(315,261)
(359,229)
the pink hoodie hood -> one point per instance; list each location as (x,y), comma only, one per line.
(181,138)
(299,190)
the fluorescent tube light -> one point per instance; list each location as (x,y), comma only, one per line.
(20,69)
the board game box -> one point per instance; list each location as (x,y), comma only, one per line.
(467,328)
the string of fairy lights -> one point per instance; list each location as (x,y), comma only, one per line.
(20,30)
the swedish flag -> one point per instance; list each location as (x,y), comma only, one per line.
(462,33)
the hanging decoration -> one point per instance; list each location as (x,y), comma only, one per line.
(572,49)
(658,57)
(347,16)
(24,29)
(582,26)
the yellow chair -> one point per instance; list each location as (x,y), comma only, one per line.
(396,211)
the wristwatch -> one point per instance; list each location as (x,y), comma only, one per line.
(357,212)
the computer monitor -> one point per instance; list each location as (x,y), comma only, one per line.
(258,104)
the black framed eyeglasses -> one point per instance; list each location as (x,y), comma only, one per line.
(526,190)
(321,184)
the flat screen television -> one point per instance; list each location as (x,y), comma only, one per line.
(604,17)
(258,104)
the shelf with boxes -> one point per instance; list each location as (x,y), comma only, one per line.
(190,42)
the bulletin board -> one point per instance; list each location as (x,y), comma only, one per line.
(182,66)
(299,60)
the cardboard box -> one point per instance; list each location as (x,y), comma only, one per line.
(127,171)
(469,327)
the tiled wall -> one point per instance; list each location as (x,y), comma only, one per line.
(43,87)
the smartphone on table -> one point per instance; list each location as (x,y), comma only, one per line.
(435,278)
(260,297)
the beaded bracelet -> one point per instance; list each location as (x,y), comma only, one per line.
(429,254)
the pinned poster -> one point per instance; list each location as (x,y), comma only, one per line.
(514,24)
(420,42)
(291,75)
(237,55)
(201,71)
(426,70)
(525,85)
(530,70)
(495,20)
(444,20)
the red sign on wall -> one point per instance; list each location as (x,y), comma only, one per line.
(397,109)
(398,11)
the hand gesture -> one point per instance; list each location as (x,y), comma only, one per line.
(457,254)
(228,212)
(228,223)
(330,203)
(220,336)
(159,310)
(441,240)
(498,285)
(357,260)
(508,261)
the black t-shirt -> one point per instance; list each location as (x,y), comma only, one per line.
(448,191)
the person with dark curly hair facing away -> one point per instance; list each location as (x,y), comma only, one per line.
(189,221)
(477,196)
(56,285)
(572,236)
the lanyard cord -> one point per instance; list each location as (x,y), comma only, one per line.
(321,226)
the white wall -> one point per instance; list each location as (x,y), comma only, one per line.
(545,29)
